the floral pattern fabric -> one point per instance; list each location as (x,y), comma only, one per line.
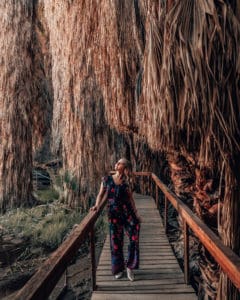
(121,216)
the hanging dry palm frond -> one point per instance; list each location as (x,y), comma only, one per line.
(191,80)
(15,103)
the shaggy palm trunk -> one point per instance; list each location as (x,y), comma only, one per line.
(42,91)
(191,79)
(230,229)
(197,189)
(95,63)
(15,103)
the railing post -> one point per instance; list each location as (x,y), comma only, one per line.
(66,278)
(93,260)
(152,186)
(186,252)
(156,196)
(142,185)
(149,186)
(166,215)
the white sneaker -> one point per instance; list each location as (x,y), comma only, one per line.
(130,274)
(118,275)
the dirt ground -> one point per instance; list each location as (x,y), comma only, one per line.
(74,284)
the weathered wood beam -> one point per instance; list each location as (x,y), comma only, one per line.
(186,253)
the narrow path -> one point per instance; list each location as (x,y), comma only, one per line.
(159,276)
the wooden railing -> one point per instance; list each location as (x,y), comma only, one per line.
(44,280)
(224,256)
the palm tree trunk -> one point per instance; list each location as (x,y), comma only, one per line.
(15,100)
(230,231)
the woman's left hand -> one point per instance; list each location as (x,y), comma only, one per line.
(93,208)
(139,218)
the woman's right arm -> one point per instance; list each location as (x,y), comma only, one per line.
(100,197)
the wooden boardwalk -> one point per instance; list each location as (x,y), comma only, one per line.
(159,275)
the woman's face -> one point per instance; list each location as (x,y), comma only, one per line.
(120,166)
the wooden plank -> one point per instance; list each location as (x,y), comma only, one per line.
(143,261)
(146,258)
(143,279)
(157,274)
(101,296)
(170,267)
(155,291)
(146,265)
(151,240)
(146,284)
(160,288)
(168,270)
(154,249)
(143,254)
(152,252)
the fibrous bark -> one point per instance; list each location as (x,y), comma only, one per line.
(95,64)
(191,78)
(15,103)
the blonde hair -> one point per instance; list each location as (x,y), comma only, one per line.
(127,170)
(126,163)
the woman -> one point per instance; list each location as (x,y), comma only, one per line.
(122,214)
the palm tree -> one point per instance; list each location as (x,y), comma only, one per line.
(15,100)
(192,79)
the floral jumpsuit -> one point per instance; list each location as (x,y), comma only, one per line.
(121,216)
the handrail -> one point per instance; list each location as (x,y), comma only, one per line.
(224,256)
(40,285)
(43,281)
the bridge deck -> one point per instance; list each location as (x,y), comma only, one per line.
(159,276)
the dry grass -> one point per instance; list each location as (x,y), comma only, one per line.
(44,225)
(46,196)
